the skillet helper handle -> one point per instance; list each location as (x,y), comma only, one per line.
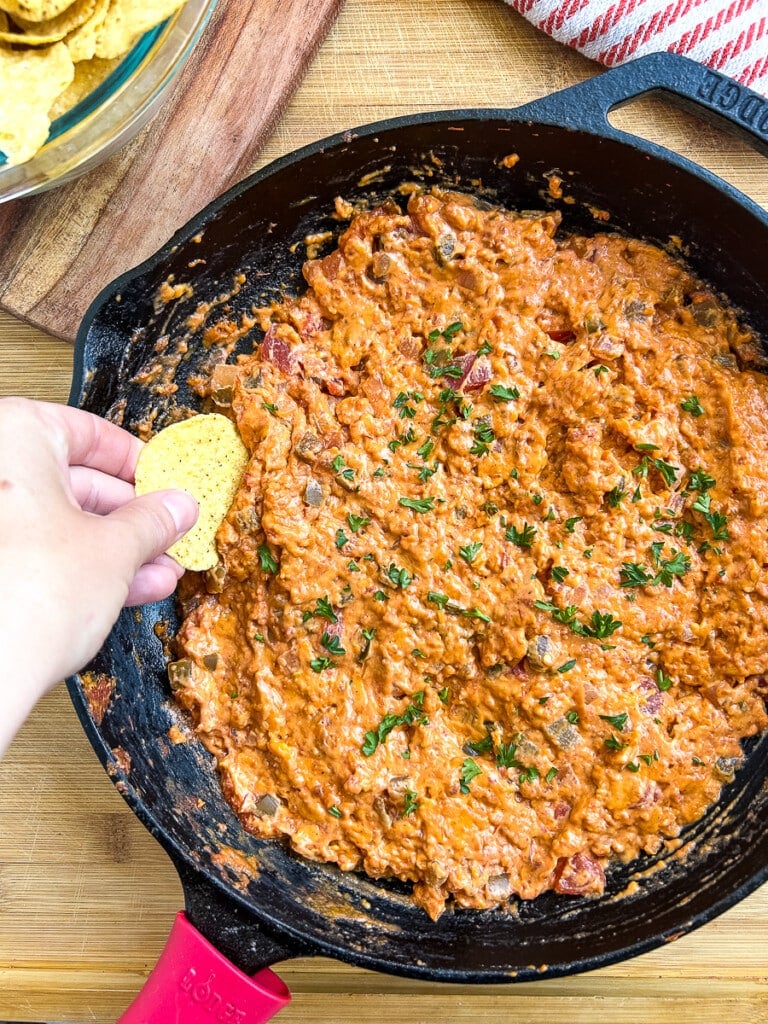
(701,89)
(193,983)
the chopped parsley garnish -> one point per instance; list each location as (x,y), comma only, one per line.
(636,496)
(478,747)
(663,682)
(332,644)
(572,717)
(443,601)
(270,407)
(615,496)
(267,560)
(647,447)
(650,758)
(566,616)
(692,405)
(601,626)
(324,610)
(484,437)
(469,770)
(559,573)
(341,539)
(717,520)
(420,505)
(499,393)
(667,471)
(380,596)
(356,523)
(334,811)
(469,552)
(634,575)
(613,743)
(505,756)
(617,721)
(570,524)
(338,467)
(567,666)
(485,349)
(426,449)
(401,403)
(425,472)
(259,638)
(550,774)
(318,664)
(368,635)
(444,695)
(600,369)
(417,653)
(353,566)
(400,577)
(410,802)
(413,715)
(678,565)
(522,538)
(531,773)
(632,766)
(700,480)
(537,499)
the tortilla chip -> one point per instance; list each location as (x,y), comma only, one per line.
(76,14)
(89,74)
(30,39)
(30,81)
(128,19)
(205,456)
(34,10)
(82,42)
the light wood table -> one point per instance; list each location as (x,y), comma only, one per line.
(86,896)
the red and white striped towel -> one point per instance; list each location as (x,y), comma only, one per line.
(728,35)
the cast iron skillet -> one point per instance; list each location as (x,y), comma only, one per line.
(290,907)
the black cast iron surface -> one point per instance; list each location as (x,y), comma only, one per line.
(258,902)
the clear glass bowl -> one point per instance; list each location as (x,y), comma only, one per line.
(114,112)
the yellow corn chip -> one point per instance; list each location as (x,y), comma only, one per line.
(71,18)
(127,19)
(88,75)
(82,42)
(30,81)
(205,456)
(34,10)
(30,38)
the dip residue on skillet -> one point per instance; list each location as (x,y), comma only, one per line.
(492,604)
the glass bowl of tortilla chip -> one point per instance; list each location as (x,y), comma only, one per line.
(79,78)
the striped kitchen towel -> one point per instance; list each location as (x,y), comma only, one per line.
(728,35)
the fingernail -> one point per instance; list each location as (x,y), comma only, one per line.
(183,509)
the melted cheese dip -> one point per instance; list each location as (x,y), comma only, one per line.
(492,604)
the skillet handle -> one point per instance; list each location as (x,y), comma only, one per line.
(193,983)
(698,87)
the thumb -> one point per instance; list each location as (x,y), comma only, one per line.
(150,524)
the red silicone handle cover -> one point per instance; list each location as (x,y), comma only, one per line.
(192,983)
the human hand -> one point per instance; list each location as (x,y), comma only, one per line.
(75,544)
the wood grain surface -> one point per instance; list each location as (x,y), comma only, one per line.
(86,896)
(59,249)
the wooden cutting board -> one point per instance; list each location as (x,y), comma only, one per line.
(57,250)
